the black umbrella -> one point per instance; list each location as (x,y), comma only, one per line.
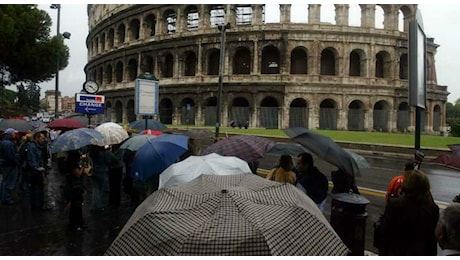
(325,148)
(17,124)
(140,125)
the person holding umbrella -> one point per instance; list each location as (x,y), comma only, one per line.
(37,166)
(311,180)
(9,166)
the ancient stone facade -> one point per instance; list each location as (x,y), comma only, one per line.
(276,75)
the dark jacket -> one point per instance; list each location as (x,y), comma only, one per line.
(315,183)
(409,226)
(9,156)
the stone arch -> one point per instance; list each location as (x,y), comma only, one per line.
(268,117)
(242,61)
(270,60)
(130,110)
(354,15)
(100,73)
(121,31)
(108,74)
(118,112)
(210,106)
(103,41)
(167,65)
(381,116)
(379,17)
(329,61)
(404,66)
(213,61)
(132,69)
(298,113)
(170,18)
(328,115)
(240,111)
(193,17)
(299,60)
(134,29)
(190,62)
(166,110)
(403,120)
(188,110)
(119,71)
(111,38)
(148,64)
(356,114)
(382,65)
(299,13)
(150,22)
(357,61)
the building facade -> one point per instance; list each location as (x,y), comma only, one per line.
(276,74)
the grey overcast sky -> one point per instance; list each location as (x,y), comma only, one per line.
(441,21)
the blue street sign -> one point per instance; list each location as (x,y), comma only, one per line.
(89,104)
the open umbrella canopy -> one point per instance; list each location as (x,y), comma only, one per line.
(240,214)
(194,166)
(136,141)
(151,132)
(20,125)
(288,148)
(157,154)
(112,135)
(37,124)
(110,125)
(139,125)
(325,148)
(246,147)
(65,124)
(76,139)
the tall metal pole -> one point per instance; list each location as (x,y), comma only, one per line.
(56,89)
(222,29)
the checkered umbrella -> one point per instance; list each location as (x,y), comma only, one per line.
(239,214)
(246,147)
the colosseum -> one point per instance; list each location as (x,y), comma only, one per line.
(315,74)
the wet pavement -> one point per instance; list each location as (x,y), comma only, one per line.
(26,232)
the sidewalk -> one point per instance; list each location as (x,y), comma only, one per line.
(38,233)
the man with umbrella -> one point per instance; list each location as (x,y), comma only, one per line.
(37,166)
(311,181)
(9,163)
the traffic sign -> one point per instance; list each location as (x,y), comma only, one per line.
(89,104)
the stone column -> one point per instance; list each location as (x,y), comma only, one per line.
(341,14)
(367,15)
(314,13)
(285,13)
(230,15)
(257,14)
(391,18)
(181,21)
(204,17)
(255,61)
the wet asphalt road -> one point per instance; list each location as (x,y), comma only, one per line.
(24,232)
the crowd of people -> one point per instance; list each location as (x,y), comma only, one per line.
(411,224)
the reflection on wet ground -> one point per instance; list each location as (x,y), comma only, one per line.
(27,232)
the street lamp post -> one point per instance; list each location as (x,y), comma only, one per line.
(222,29)
(66,35)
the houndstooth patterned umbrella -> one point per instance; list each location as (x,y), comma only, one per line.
(246,147)
(240,214)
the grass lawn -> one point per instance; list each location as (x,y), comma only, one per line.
(426,141)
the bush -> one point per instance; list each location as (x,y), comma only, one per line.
(454,126)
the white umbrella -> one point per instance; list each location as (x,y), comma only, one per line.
(109,124)
(194,166)
(112,135)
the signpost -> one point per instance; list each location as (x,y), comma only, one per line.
(146,96)
(89,104)
(417,77)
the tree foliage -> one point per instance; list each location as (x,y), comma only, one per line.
(27,52)
(453,117)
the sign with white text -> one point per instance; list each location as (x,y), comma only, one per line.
(147,95)
(89,104)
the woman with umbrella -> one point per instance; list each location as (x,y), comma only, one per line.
(284,173)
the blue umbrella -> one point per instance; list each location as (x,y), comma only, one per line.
(157,154)
(76,139)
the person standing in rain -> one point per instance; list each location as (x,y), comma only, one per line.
(37,176)
(409,221)
(103,160)
(284,173)
(9,164)
(447,230)
(74,190)
(311,180)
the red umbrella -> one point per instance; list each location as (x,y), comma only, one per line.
(65,124)
(151,132)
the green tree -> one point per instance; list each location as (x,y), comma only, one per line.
(28,54)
